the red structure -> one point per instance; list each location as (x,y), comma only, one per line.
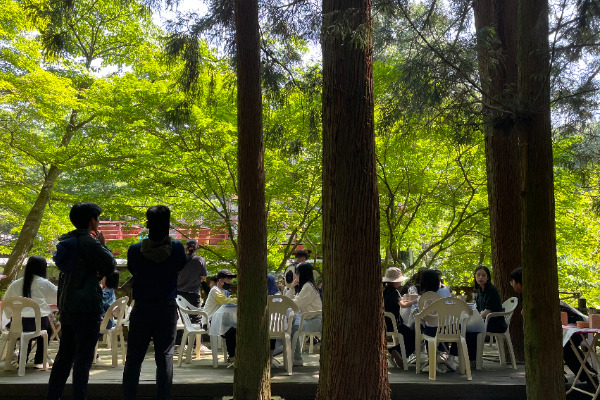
(119,230)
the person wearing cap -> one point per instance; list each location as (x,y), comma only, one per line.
(218,296)
(392,302)
(189,281)
(154,264)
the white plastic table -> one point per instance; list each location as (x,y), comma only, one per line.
(222,320)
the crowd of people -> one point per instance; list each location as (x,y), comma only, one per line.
(88,280)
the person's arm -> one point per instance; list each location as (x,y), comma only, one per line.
(221,299)
(49,291)
(407,303)
(103,259)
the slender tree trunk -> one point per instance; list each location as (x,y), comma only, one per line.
(495,22)
(30,228)
(353,357)
(543,338)
(252,374)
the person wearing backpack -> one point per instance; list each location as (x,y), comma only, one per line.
(83,259)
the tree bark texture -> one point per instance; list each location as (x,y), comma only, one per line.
(252,373)
(353,354)
(543,338)
(30,228)
(32,223)
(495,22)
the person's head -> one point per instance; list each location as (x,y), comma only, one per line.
(85,215)
(111,280)
(289,276)
(483,277)
(516,279)
(159,221)
(393,276)
(439,272)
(301,256)
(212,281)
(429,281)
(224,278)
(305,274)
(36,266)
(191,246)
(271,285)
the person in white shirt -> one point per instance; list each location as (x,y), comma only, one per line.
(307,299)
(35,286)
(218,296)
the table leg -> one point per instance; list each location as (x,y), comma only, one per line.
(214,346)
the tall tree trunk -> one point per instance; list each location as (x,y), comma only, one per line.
(543,339)
(32,223)
(30,228)
(495,22)
(252,374)
(353,328)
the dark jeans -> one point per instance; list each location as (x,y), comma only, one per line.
(409,340)
(76,350)
(195,300)
(29,326)
(571,359)
(156,321)
(230,341)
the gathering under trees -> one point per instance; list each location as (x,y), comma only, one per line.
(409,134)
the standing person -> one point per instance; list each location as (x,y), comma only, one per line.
(218,296)
(83,259)
(307,299)
(35,286)
(189,282)
(154,264)
(190,279)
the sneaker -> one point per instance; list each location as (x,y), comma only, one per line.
(275,363)
(298,362)
(278,350)
(230,360)
(397,359)
(205,350)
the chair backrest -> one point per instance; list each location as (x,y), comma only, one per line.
(115,311)
(451,314)
(186,308)
(278,311)
(392,317)
(509,307)
(427,298)
(14,306)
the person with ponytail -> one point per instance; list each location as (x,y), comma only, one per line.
(35,286)
(307,299)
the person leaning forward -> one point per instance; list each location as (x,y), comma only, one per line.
(83,259)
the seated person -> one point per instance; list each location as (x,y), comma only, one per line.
(392,303)
(307,299)
(218,296)
(108,284)
(35,286)
(569,355)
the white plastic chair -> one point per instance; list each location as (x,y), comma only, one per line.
(191,331)
(128,313)
(280,324)
(302,333)
(115,312)
(14,306)
(509,307)
(397,338)
(451,315)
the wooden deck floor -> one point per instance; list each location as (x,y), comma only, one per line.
(199,380)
